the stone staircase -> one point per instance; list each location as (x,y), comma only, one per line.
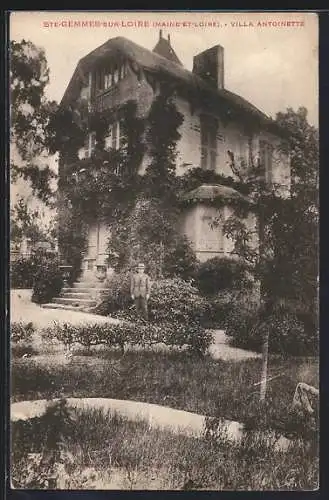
(83,296)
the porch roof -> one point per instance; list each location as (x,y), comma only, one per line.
(212,192)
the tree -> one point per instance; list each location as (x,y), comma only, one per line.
(30,113)
(25,224)
(287,261)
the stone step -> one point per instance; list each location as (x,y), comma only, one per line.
(53,305)
(74,302)
(76,295)
(86,284)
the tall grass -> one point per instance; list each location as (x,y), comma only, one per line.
(77,449)
(204,386)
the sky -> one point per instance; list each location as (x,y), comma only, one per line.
(270,64)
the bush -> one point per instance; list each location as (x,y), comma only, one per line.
(22,272)
(223,304)
(247,325)
(176,300)
(21,339)
(21,332)
(180,260)
(118,296)
(126,333)
(171,299)
(221,273)
(48,280)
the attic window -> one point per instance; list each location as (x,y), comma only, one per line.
(109,76)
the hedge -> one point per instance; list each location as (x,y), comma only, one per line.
(193,337)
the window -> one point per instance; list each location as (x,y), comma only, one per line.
(210,238)
(109,76)
(107,80)
(90,144)
(208,135)
(265,159)
(116,138)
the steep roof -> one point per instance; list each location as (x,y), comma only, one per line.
(157,64)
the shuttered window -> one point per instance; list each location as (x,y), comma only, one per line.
(266,160)
(89,145)
(208,135)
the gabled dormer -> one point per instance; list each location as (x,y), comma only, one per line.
(163,48)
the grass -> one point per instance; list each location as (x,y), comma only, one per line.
(201,385)
(75,449)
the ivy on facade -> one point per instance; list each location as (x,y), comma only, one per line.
(141,211)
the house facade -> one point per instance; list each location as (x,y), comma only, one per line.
(218,126)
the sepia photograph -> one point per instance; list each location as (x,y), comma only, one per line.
(164,269)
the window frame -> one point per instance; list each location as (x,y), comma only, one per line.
(90,144)
(208,140)
(266,160)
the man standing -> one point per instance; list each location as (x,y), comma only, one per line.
(140,290)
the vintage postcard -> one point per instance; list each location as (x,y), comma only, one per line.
(164,250)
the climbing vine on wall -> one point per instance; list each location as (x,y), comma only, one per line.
(141,211)
(103,185)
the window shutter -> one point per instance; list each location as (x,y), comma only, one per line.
(116,76)
(208,142)
(114,135)
(92,142)
(204,143)
(122,137)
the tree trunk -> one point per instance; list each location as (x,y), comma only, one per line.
(263,383)
(161,260)
(264,305)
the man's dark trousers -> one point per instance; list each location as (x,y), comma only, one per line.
(141,307)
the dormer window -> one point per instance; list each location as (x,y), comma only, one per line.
(115,76)
(107,80)
(109,76)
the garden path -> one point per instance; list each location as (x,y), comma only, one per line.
(22,309)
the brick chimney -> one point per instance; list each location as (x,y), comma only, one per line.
(209,65)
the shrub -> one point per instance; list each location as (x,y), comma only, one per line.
(223,304)
(287,333)
(48,280)
(247,325)
(138,332)
(176,300)
(221,273)
(180,260)
(172,299)
(118,296)
(21,339)
(22,272)
(21,332)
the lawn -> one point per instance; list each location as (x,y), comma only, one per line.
(75,449)
(175,379)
